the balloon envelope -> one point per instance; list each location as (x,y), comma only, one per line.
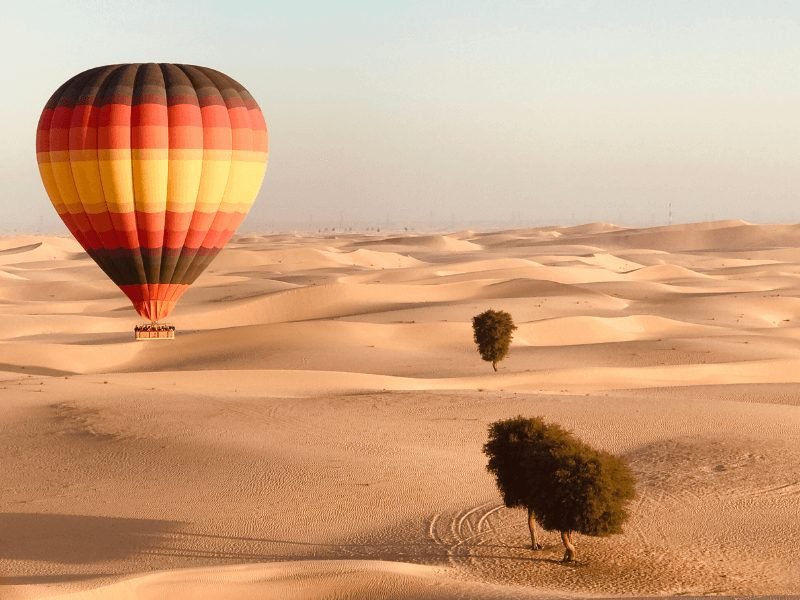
(152,167)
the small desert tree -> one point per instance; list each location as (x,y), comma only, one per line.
(492,332)
(564,483)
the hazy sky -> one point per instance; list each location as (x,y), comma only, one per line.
(460,111)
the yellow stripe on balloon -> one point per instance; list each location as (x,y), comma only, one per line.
(217,154)
(149,154)
(89,186)
(184,184)
(51,187)
(94,208)
(243,186)
(150,179)
(117,180)
(250,156)
(213,182)
(186,154)
(62,175)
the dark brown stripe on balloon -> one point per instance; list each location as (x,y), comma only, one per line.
(140,83)
(179,265)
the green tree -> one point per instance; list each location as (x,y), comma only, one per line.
(562,482)
(493,330)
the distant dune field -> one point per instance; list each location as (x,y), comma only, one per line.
(315,429)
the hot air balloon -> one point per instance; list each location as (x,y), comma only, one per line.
(152,167)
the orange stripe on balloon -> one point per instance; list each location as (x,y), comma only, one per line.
(154,301)
(215,116)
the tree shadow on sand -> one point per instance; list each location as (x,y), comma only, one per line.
(270,549)
(78,539)
(45,579)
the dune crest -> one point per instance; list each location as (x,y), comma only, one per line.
(309,580)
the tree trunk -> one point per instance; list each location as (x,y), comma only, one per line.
(535,545)
(494,365)
(571,552)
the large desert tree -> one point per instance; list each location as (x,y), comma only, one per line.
(562,482)
(492,331)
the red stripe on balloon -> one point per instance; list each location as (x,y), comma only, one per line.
(127,230)
(152,230)
(149,114)
(176,226)
(150,138)
(115,114)
(183,115)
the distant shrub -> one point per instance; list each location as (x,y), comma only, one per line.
(493,330)
(562,482)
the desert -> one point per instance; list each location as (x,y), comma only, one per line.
(315,429)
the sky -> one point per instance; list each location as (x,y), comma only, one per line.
(437,114)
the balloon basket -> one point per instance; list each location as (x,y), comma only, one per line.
(154,331)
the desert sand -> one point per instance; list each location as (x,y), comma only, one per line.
(315,430)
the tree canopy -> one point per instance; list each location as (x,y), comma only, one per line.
(568,485)
(493,330)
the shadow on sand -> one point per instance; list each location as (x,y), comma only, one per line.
(78,538)
(85,540)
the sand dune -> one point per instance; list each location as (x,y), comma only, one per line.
(589,228)
(424,243)
(664,272)
(20,249)
(296,259)
(599,330)
(315,429)
(718,236)
(31,249)
(304,579)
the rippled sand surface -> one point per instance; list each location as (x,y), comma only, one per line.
(315,430)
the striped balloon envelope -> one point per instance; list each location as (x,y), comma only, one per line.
(152,167)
